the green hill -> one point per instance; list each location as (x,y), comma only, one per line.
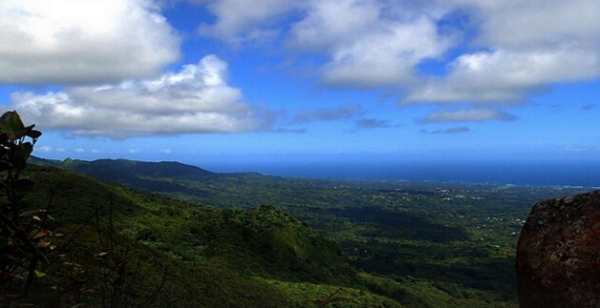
(123,169)
(414,244)
(126,248)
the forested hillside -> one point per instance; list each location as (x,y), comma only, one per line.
(113,246)
(420,244)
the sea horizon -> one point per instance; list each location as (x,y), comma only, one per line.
(522,173)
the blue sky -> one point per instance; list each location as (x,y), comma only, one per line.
(237,82)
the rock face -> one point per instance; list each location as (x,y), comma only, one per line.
(558,256)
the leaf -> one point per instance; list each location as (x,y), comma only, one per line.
(12,126)
(39,274)
(34,134)
(11,121)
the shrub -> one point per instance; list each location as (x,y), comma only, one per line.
(24,235)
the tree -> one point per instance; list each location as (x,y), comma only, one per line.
(23,231)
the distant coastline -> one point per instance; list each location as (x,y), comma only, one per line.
(575,174)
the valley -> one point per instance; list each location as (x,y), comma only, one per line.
(430,243)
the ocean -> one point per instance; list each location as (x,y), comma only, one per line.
(518,173)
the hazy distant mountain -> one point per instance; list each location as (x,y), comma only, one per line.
(165,177)
(175,179)
(115,169)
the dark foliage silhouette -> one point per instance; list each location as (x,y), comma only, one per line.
(24,233)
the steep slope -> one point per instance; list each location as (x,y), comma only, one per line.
(270,243)
(123,247)
(100,226)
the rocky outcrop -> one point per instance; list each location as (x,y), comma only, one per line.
(558,256)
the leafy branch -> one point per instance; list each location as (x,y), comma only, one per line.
(23,232)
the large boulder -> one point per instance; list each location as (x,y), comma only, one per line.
(558,256)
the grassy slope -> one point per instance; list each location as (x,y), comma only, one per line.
(211,257)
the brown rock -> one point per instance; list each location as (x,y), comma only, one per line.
(558,255)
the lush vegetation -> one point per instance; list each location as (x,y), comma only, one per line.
(115,247)
(412,244)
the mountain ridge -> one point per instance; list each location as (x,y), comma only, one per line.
(172,166)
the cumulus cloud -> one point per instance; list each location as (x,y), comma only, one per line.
(384,58)
(367,46)
(451,130)
(368,43)
(468,115)
(532,24)
(527,45)
(196,99)
(514,48)
(507,76)
(327,114)
(239,21)
(83,41)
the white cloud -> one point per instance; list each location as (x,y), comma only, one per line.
(507,76)
(385,57)
(241,21)
(468,115)
(517,24)
(368,44)
(197,99)
(83,41)
(331,23)
(529,45)
(513,47)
